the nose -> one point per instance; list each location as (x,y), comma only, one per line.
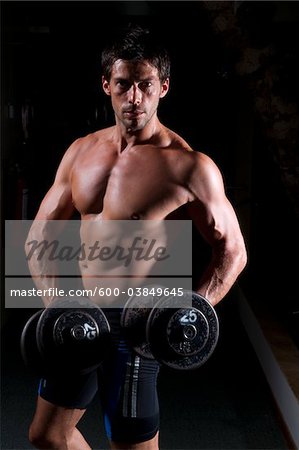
(135,95)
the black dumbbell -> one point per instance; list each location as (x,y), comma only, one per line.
(29,350)
(181,332)
(69,336)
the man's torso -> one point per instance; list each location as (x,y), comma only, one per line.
(146,182)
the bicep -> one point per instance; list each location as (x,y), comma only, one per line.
(215,220)
(211,211)
(57,203)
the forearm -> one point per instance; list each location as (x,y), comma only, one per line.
(223,270)
(43,270)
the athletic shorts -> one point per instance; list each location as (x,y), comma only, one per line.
(127,387)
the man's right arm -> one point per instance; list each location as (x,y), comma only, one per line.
(56,205)
(216,220)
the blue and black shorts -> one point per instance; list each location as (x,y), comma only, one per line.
(127,387)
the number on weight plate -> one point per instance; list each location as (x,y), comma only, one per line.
(190,317)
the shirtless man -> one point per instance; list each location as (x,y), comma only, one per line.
(136,169)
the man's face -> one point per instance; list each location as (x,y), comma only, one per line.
(135,90)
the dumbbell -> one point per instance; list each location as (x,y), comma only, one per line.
(71,335)
(180,332)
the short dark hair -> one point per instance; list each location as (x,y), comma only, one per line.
(135,43)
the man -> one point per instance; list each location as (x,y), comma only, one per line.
(136,169)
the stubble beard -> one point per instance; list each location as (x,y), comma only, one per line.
(138,125)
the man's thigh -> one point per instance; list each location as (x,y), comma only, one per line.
(128,392)
(49,417)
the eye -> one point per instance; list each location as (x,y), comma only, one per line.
(144,85)
(123,84)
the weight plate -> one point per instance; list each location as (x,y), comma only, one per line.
(29,350)
(73,335)
(162,342)
(187,331)
(73,326)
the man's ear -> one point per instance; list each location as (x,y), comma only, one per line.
(106,86)
(164,87)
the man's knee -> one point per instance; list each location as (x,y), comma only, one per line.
(46,439)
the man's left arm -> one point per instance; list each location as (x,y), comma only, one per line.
(216,220)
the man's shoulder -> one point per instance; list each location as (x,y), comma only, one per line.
(185,158)
(90,140)
(178,143)
(203,165)
(187,152)
(96,136)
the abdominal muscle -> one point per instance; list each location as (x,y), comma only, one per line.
(119,256)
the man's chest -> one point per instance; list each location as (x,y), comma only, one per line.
(132,186)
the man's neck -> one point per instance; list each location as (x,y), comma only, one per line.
(147,135)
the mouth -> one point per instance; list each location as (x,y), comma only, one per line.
(133,114)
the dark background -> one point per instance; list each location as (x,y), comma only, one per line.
(51,71)
(51,53)
(51,77)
